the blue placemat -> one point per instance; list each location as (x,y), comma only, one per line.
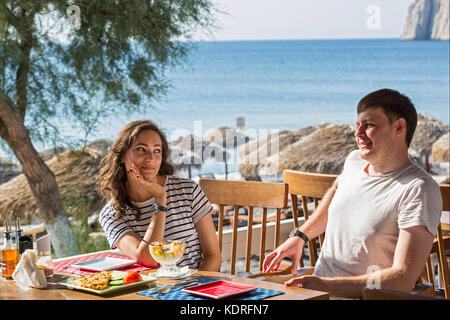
(178,294)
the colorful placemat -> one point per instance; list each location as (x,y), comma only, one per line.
(65,266)
(178,294)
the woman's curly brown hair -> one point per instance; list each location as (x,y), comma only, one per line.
(113,175)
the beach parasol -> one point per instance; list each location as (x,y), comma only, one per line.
(228,138)
(257,150)
(76,174)
(323,150)
(213,150)
(218,141)
(186,153)
(185,159)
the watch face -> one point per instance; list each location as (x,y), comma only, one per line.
(292,233)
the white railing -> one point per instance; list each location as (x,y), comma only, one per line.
(286,227)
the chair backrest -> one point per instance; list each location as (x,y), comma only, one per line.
(307,185)
(440,243)
(265,195)
(445,192)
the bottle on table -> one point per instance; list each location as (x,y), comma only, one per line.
(9,254)
(45,261)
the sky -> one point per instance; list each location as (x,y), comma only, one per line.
(284,20)
(308,19)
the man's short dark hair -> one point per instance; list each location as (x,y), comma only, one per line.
(395,105)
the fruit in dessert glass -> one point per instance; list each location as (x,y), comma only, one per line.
(167,254)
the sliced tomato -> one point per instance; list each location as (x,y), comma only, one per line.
(131,277)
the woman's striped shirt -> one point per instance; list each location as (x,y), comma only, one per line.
(186,204)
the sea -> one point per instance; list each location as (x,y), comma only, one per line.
(285,85)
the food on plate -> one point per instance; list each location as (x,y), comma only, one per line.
(132,277)
(117,275)
(96,281)
(116,282)
(168,252)
(101,280)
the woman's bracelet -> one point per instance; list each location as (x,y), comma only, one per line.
(145,241)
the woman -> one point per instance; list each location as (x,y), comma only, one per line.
(149,204)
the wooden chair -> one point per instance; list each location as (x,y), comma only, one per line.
(441,243)
(301,183)
(265,195)
(307,185)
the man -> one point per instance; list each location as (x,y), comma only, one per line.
(381,215)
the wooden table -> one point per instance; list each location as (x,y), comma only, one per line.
(9,290)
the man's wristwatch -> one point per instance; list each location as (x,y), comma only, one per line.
(298,233)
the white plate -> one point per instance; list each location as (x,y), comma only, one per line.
(184,272)
(145,279)
(103,264)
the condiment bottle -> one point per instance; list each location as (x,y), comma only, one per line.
(9,254)
(45,263)
(24,242)
(44,255)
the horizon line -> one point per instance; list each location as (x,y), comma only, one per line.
(290,39)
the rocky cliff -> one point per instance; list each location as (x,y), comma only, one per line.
(427,20)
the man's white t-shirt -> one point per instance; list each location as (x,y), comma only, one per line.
(367,212)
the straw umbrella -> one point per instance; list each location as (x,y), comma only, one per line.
(252,151)
(76,174)
(185,159)
(323,151)
(186,153)
(228,137)
(187,142)
(219,140)
(217,152)
(265,150)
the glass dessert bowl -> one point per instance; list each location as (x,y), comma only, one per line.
(167,254)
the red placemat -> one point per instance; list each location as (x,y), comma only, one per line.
(65,266)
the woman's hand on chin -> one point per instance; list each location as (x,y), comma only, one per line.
(152,188)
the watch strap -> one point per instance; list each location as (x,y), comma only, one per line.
(296,232)
(161,208)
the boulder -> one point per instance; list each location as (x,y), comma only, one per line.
(428,131)
(440,150)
